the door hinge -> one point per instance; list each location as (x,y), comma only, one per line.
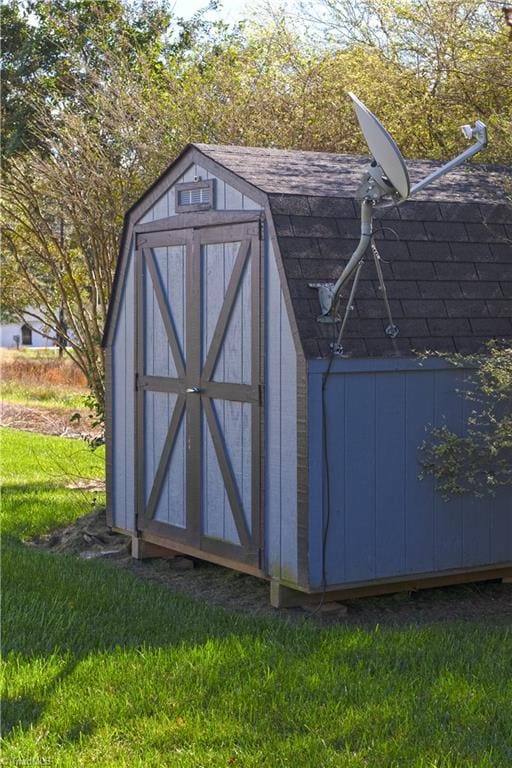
(136,382)
(261,393)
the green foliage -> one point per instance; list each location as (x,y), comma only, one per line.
(480,460)
(49,45)
(102,668)
(425,68)
(99,96)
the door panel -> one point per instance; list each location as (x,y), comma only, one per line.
(234,362)
(227,448)
(165,273)
(159,410)
(199,412)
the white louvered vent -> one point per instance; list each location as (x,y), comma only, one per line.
(196,196)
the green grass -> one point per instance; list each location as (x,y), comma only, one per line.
(35,395)
(104,669)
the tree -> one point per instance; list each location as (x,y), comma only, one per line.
(92,162)
(425,68)
(47,45)
(99,96)
(98,134)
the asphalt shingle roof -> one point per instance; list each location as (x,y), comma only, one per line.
(447,253)
(292,172)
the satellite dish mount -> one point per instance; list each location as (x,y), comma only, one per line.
(386,182)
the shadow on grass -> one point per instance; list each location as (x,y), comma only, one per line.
(115,631)
(118,639)
(35,508)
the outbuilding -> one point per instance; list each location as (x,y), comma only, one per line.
(223,443)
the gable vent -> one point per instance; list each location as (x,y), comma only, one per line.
(194,196)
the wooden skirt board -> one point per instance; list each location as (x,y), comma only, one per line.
(198,410)
(283,595)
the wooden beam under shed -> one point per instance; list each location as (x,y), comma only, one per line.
(142,550)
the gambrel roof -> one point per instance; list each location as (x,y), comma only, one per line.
(447,252)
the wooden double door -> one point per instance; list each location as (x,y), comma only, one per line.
(199,394)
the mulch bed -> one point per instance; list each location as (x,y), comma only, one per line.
(88,538)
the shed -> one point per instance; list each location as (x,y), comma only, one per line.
(220,442)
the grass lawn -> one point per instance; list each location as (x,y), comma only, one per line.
(103,669)
(35,395)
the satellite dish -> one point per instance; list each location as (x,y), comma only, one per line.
(383,148)
(387,177)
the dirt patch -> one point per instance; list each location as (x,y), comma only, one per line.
(484,602)
(47,421)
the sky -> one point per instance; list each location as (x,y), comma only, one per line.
(231,10)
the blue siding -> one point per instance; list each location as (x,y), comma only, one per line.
(359,474)
(385,521)
(390,421)
(419,494)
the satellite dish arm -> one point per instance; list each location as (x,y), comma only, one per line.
(328,292)
(364,242)
(480,133)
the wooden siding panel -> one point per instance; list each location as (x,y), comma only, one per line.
(176,291)
(336,423)
(119,512)
(288,439)
(316,481)
(159,409)
(234,200)
(234,363)
(387,521)
(218,519)
(273,419)
(419,494)
(159,361)
(477,530)
(161,207)
(476,522)
(123,388)
(389,473)
(359,476)
(280,432)
(500,509)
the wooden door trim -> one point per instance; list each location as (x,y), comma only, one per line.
(193,370)
(209,219)
(257,412)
